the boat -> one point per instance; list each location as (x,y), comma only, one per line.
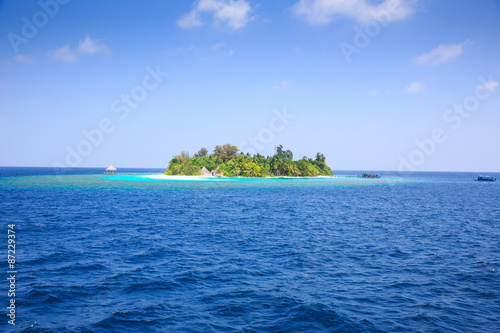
(370,175)
(485,179)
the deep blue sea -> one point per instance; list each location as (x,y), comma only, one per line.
(127,253)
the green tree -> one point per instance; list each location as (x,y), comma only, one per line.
(183,157)
(202,152)
(229,162)
(226,152)
(320,157)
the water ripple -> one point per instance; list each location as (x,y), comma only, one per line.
(130,256)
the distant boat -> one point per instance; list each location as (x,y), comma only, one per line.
(370,175)
(485,179)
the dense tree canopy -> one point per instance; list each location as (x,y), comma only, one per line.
(227,161)
(226,152)
(202,152)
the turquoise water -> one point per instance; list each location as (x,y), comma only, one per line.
(144,180)
(405,252)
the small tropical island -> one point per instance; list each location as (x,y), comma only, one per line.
(228,161)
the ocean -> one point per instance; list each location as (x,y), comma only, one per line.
(95,253)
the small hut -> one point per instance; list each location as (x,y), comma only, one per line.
(204,172)
(111,170)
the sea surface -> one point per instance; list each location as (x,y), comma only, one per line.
(127,253)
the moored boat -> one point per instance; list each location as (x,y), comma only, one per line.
(485,179)
(370,175)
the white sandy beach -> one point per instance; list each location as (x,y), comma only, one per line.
(201,178)
(166,177)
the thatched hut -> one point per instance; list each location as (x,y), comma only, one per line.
(111,170)
(204,172)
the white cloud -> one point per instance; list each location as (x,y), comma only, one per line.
(24,59)
(65,54)
(92,46)
(282,86)
(415,87)
(221,47)
(441,54)
(490,86)
(190,20)
(86,46)
(217,46)
(233,13)
(321,12)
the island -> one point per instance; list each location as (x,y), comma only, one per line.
(228,161)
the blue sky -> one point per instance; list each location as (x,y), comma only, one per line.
(373,85)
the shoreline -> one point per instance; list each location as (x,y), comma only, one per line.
(201,177)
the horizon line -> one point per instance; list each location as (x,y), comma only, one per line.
(360,170)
